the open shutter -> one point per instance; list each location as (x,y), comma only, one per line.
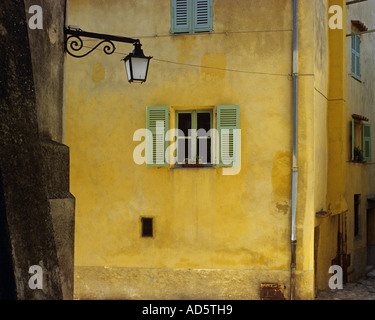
(366,141)
(156,145)
(358,56)
(353,138)
(181,16)
(203,14)
(228,119)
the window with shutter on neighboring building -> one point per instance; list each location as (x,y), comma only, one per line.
(356,56)
(361,139)
(357,27)
(191,16)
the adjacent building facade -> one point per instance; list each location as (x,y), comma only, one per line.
(225,229)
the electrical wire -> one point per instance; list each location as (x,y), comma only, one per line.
(221,69)
(207,33)
(216,68)
(211,67)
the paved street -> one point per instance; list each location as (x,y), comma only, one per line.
(363,289)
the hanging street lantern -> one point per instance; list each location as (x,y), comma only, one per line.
(136,64)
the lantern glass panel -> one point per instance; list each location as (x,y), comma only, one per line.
(128,71)
(139,68)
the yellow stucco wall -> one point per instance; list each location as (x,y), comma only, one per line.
(334,143)
(216,236)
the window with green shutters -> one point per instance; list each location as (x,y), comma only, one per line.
(361,141)
(191,16)
(196,138)
(356,56)
(228,124)
(157,124)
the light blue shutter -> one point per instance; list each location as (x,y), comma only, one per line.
(228,119)
(366,142)
(181,19)
(203,15)
(157,123)
(353,55)
(356,56)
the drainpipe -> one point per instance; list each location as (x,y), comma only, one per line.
(295,150)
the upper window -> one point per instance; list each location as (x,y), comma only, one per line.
(191,16)
(357,26)
(356,56)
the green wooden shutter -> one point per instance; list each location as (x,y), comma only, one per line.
(203,15)
(353,138)
(366,142)
(181,19)
(157,123)
(228,119)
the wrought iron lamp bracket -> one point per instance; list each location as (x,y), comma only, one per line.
(74,43)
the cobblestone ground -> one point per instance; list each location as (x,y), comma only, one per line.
(363,289)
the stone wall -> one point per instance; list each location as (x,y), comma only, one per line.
(37,210)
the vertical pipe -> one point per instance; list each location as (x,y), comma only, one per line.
(295,150)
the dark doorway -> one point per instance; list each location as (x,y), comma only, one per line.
(370,236)
(7,283)
(357,203)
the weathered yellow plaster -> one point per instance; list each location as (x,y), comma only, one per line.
(98,72)
(215,236)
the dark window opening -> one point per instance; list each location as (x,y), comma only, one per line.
(204,121)
(147,227)
(184,123)
(194,137)
(357,201)
(204,150)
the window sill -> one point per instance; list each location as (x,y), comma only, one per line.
(190,33)
(355,78)
(203,167)
(360,162)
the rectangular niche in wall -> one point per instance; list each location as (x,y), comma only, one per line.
(147,227)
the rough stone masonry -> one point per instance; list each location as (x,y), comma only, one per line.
(25,214)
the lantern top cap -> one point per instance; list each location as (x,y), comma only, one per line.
(137,52)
